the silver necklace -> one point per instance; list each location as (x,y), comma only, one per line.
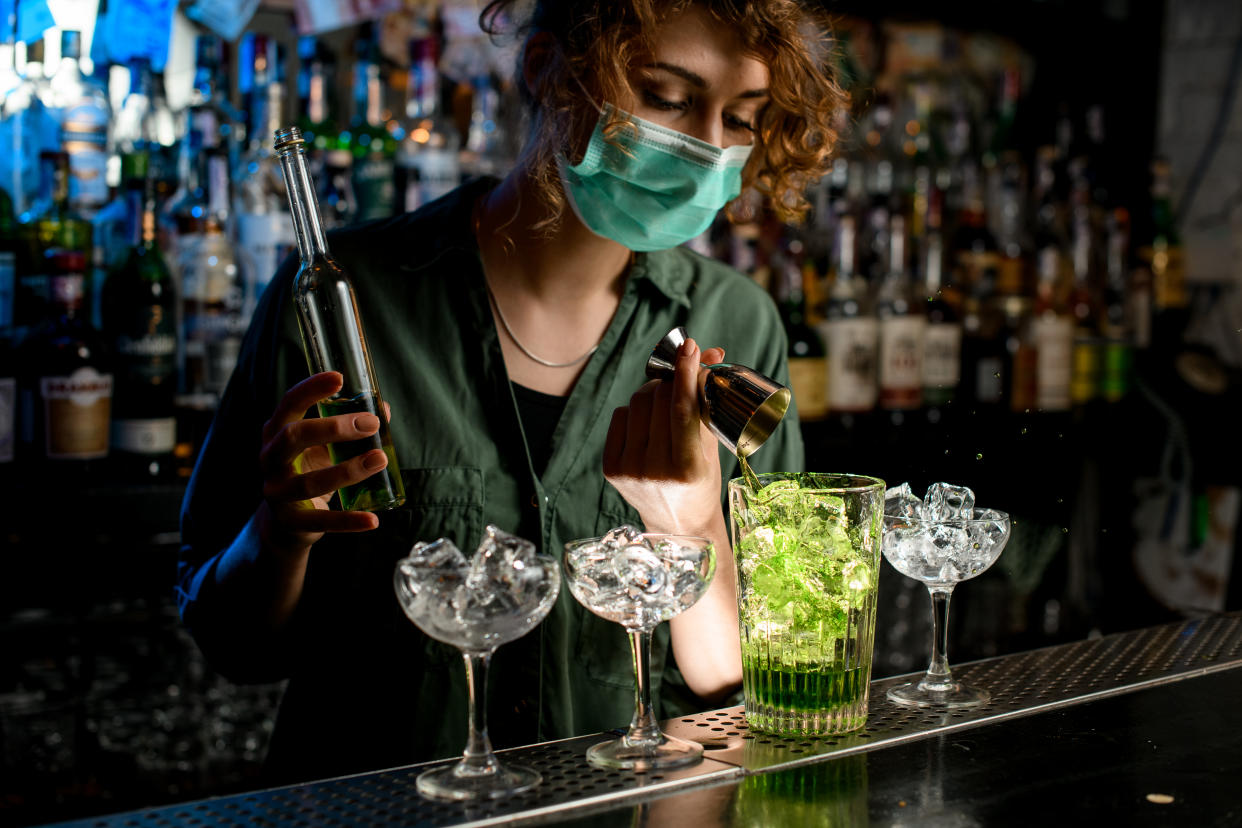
(547,364)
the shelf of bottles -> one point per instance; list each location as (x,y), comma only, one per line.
(142,214)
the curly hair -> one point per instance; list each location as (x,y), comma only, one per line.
(599,42)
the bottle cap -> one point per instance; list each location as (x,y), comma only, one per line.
(288,139)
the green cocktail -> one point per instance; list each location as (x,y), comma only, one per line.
(807,548)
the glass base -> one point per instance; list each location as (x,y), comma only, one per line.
(622,754)
(457,782)
(953,695)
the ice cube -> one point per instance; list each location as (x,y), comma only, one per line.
(899,500)
(640,570)
(437,554)
(945,501)
(622,536)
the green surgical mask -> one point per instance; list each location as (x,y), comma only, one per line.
(655,187)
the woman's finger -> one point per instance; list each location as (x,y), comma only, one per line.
(614,441)
(684,409)
(323,482)
(638,426)
(659,441)
(281,450)
(298,400)
(327,520)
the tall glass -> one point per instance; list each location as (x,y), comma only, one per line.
(807,548)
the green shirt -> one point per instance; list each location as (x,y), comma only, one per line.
(366,688)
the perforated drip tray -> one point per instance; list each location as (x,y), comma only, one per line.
(1020,685)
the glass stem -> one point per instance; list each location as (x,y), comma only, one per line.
(477,758)
(938,676)
(644,729)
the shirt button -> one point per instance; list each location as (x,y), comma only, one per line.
(534,501)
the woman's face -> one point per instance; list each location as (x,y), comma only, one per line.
(698,81)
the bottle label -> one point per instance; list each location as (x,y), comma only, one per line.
(145,436)
(76,411)
(852,345)
(375,188)
(1054,345)
(8,275)
(901,361)
(148,356)
(942,356)
(8,417)
(88,173)
(808,379)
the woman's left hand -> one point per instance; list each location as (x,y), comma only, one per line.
(661,458)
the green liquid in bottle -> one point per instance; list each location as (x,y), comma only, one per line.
(382,490)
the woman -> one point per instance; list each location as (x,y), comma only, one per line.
(510,323)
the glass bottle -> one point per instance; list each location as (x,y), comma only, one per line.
(213,311)
(49,228)
(850,333)
(373,147)
(808,367)
(139,313)
(84,118)
(332,333)
(65,380)
(901,325)
(428,165)
(942,334)
(8,364)
(1115,319)
(30,127)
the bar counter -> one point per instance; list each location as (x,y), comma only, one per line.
(1143,727)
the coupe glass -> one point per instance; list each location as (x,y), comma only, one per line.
(639,580)
(941,553)
(476,605)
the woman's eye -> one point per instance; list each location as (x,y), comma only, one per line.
(654,100)
(734,122)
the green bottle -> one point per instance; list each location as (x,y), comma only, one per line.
(332,333)
(139,321)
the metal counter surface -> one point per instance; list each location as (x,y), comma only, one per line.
(1078,731)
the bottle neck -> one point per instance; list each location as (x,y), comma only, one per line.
(303,205)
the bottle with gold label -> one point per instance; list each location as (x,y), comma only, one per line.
(65,379)
(1165,259)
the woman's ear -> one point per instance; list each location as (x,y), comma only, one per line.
(539,53)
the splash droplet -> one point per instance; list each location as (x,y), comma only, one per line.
(979,456)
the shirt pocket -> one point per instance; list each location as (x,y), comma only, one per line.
(603,646)
(443,502)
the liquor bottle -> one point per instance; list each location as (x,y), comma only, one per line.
(84,118)
(1021,362)
(984,380)
(808,367)
(211,112)
(1114,319)
(1053,330)
(373,147)
(942,336)
(318,127)
(65,380)
(112,231)
(139,316)
(213,292)
(332,333)
(428,165)
(264,229)
(1164,258)
(1084,308)
(901,326)
(850,333)
(976,260)
(484,153)
(51,227)
(336,189)
(30,127)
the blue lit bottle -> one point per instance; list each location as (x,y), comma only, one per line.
(332,333)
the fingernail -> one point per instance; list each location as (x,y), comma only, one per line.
(688,348)
(374,461)
(366,422)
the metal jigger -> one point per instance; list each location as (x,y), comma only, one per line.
(739,405)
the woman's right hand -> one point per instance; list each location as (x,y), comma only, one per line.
(299,477)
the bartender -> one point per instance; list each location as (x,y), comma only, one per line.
(510,322)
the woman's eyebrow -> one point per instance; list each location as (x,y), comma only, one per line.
(697,81)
